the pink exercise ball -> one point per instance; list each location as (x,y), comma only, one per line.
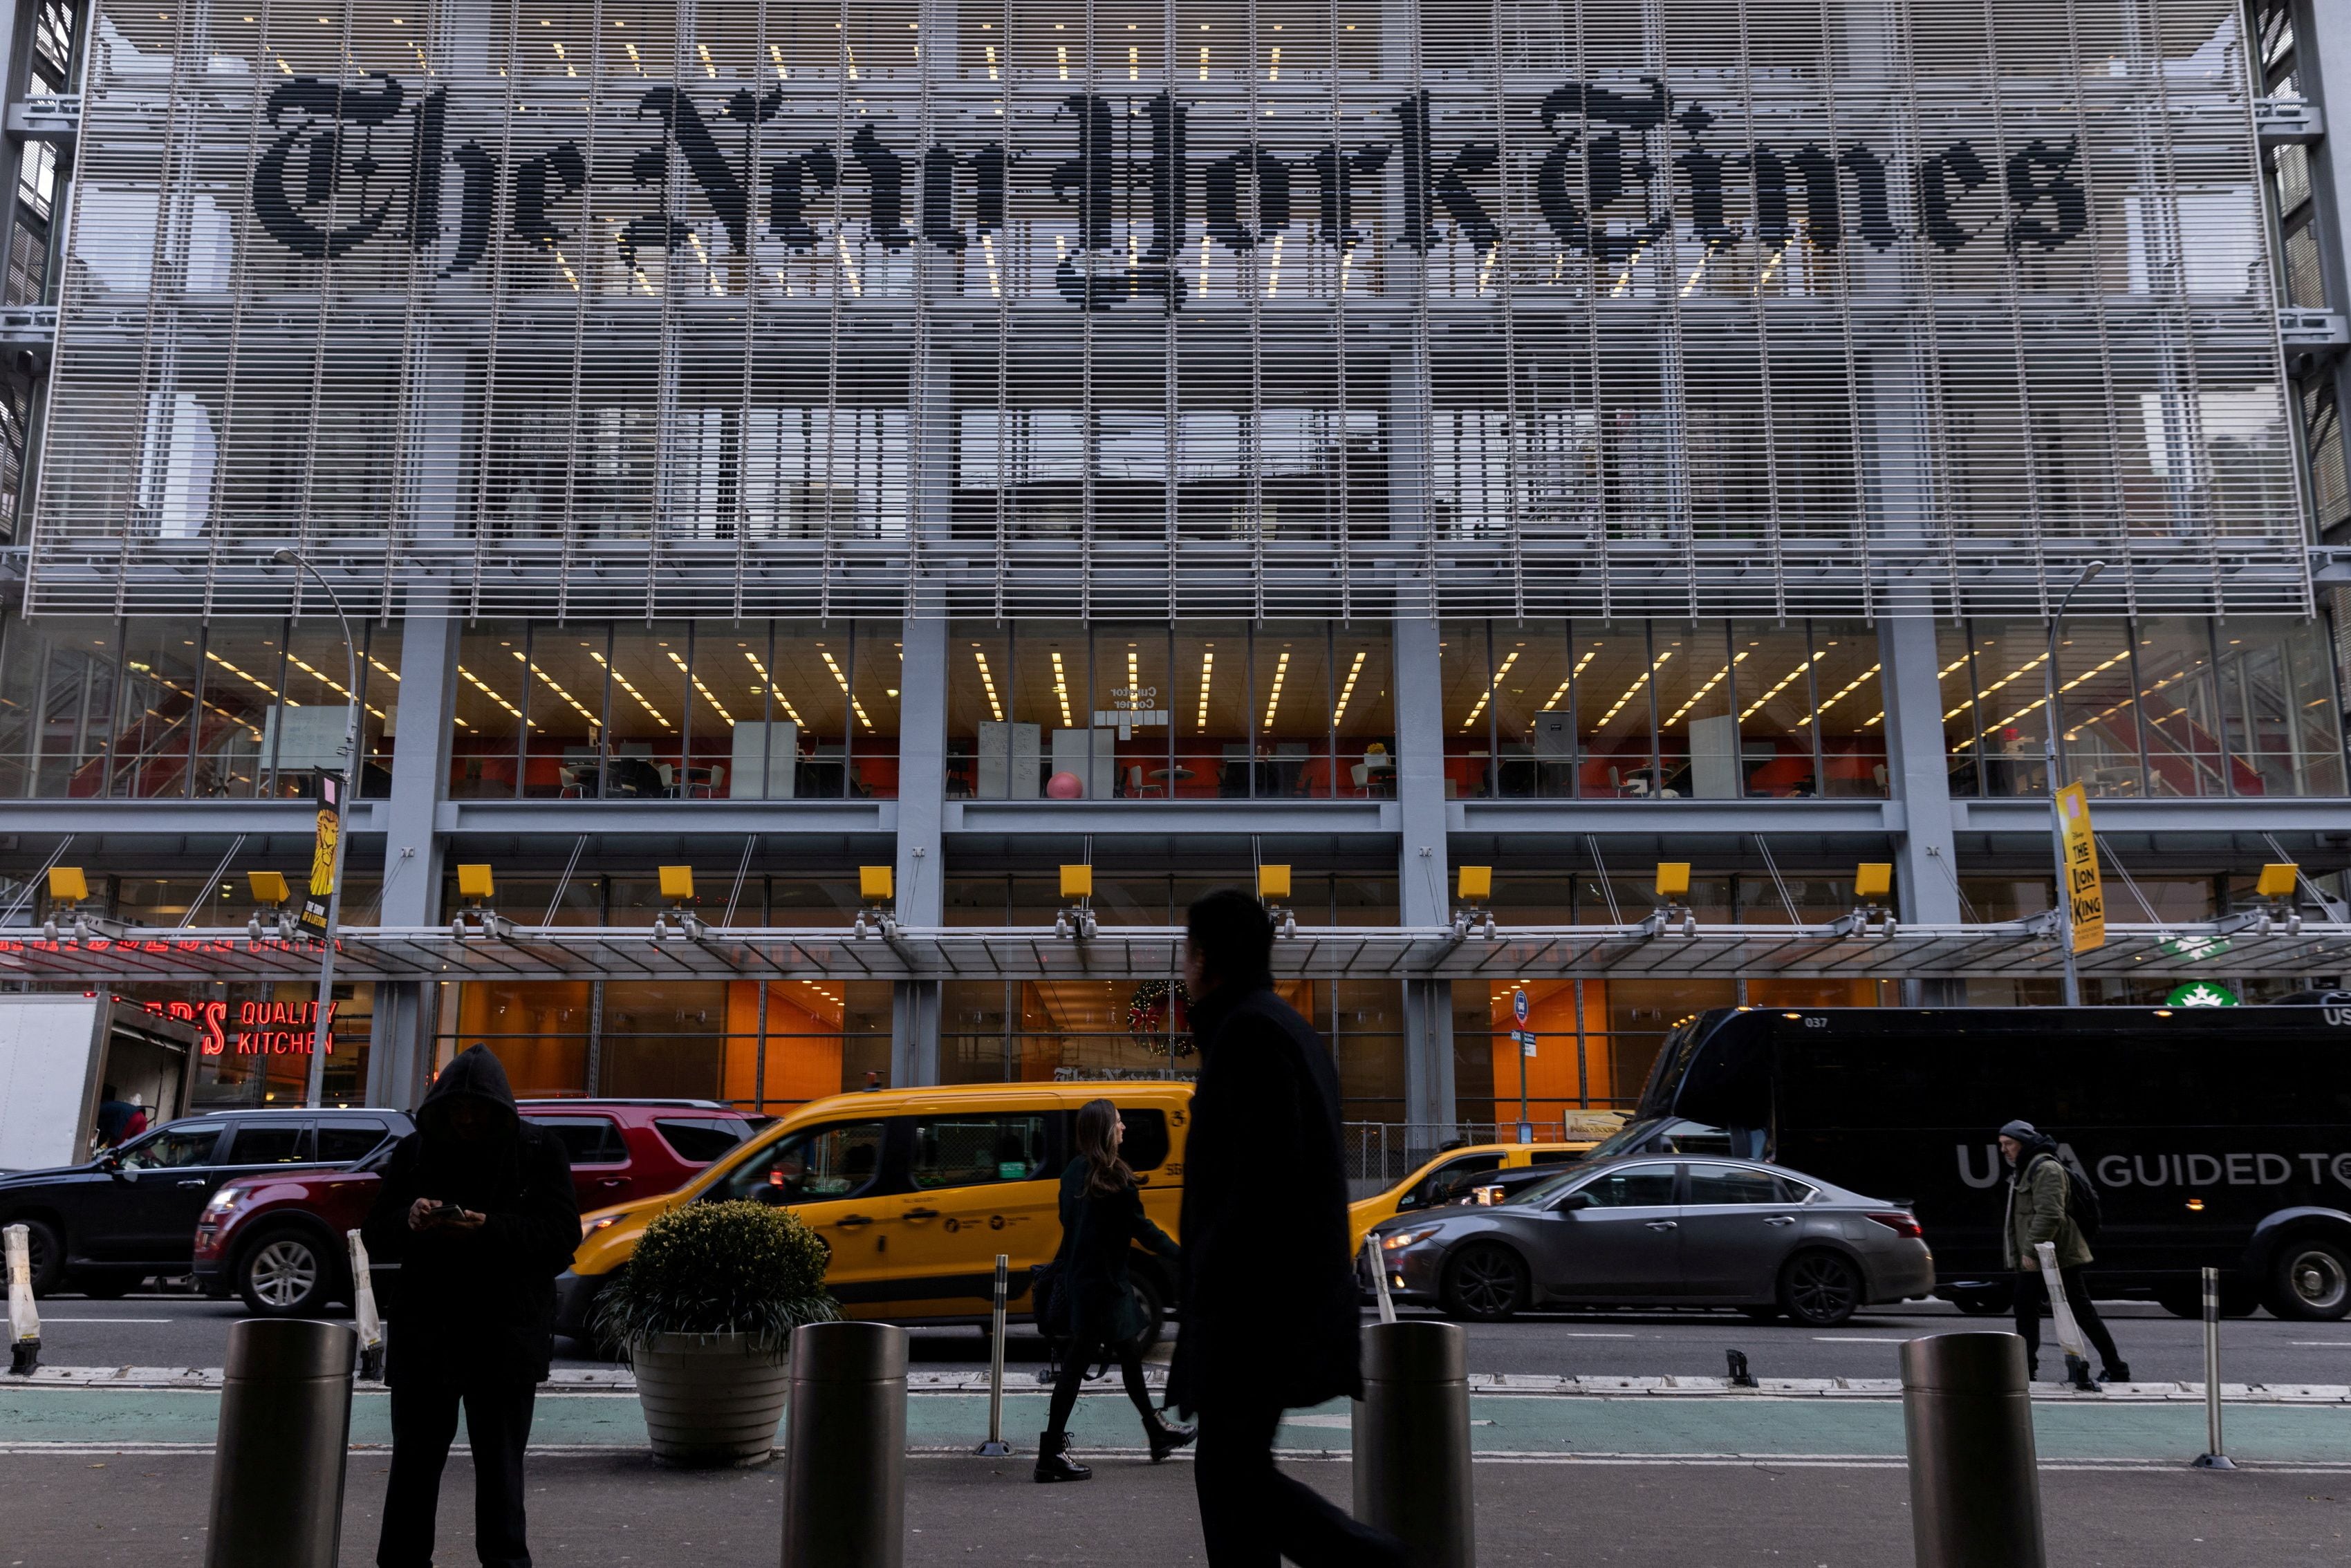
(1065,787)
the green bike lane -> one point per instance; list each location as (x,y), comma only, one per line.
(1503,1426)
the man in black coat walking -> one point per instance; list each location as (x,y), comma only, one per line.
(476,1207)
(1271,1319)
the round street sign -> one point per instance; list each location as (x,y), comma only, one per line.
(1519,1006)
(2200,994)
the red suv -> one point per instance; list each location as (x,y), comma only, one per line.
(279,1240)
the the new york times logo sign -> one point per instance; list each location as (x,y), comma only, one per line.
(349,164)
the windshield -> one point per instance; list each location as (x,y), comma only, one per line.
(1536,1195)
(1627,1139)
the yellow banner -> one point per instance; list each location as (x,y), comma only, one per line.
(2085,893)
(322,855)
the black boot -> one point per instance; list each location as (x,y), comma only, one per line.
(2119,1373)
(1053,1461)
(1164,1436)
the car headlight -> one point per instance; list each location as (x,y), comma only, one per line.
(1397,1240)
(225,1199)
(590,1227)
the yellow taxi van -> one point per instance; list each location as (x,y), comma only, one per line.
(916,1191)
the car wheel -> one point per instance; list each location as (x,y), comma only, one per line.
(284,1274)
(46,1252)
(2311,1280)
(1820,1289)
(1486,1283)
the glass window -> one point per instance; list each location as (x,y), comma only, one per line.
(1614,664)
(980,743)
(341,1143)
(1213,715)
(2179,707)
(270,1144)
(811,1166)
(174,1148)
(586,1140)
(1448,1181)
(975,1151)
(698,1140)
(1998,722)
(1697,731)
(1735,1184)
(566,705)
(2098,708)
(1847,708)
(1639,1187)
(484,757)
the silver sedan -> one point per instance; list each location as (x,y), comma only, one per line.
(1652,1232)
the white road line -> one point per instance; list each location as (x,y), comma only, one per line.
(1855,1338)
(2321,1344)
(47,1318)
(1606,1336)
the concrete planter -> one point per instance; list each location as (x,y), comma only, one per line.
(710,1400)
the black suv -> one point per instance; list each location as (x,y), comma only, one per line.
(131,1214)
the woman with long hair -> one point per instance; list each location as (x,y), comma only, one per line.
(1102,1219)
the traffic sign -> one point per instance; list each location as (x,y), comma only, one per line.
(1524,1039)
(1519,1006)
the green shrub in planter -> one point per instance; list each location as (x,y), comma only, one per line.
(720,1268)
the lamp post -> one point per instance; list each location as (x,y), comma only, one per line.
(314,1090)
(2051,754)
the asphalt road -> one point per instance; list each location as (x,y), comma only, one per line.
(178,1330)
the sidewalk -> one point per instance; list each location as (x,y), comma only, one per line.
(1504,1425)
(616,1510)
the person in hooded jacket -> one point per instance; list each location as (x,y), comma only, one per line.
(1270,1309)
(476,1207)
(2037,1186)
(1103,1222)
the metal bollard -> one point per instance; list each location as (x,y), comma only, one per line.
(845,1447)
(1412,1440)
(2214,1457)
(996,1446)
(1975,1484)
(284,1428)
(24,1319)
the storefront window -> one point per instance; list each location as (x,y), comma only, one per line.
(2169,706)
(1662,710)
(142,709)
(1204,710)
(679,710)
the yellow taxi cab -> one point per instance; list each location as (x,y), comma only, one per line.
(1451,1176)
(916,1191)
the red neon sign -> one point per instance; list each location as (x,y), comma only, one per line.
(262,1029)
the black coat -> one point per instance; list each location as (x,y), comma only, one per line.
(477,1305)
(1268,1294)
(1099,1233)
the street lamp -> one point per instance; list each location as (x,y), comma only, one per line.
(315,1091)
(2050,753)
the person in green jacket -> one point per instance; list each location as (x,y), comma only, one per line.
(2037,1184)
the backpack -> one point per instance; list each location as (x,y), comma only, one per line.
(2081,1203)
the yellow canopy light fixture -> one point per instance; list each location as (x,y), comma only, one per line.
(474,882)
(1273,883)
(1474,883)
(1872,879)
(677,882)
(1077,882)
(2277,879)
(268,886)
(875,882)
(1673,879)
(67,884)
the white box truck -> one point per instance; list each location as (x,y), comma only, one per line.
(57,1054)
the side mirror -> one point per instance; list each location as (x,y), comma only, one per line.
(1573,1202)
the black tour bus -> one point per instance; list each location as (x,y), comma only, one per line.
(2216,1136)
